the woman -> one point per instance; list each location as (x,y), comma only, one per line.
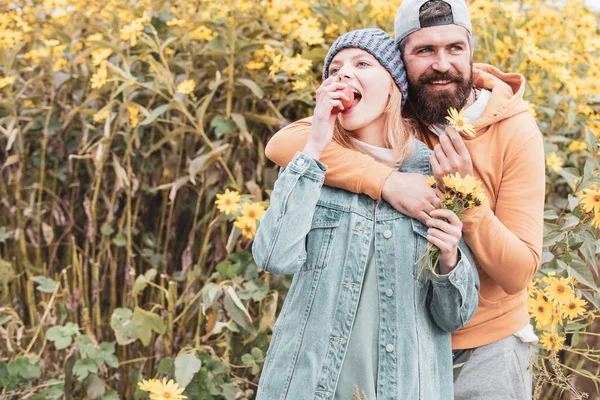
(358,315)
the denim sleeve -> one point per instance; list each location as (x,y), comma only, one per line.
(455,295)
(280,243)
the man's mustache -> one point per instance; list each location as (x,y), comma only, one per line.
(430,78)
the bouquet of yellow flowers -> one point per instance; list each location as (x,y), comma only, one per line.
(460,194)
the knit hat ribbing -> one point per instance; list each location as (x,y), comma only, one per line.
(381,46)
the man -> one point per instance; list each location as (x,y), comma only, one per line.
(491,354)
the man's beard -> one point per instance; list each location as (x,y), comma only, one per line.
(431,106)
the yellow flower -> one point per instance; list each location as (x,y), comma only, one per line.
(596,221)
(449,181)
(59,64)
(274,68)
(331,29)
(166,391)
(9,80)
(558,290)
(101,115)
(459,122)
(309,31)
(203,33)
(299,85)
(148,385)
(93,38)
(99,78)
(554,161)
(228,202)
(186,87)
(578,145)
(431,182)
(552,341)
(540,310)
(296,65)
(255,65)
(574,307)
(247,225)
(466,185)
(175,22)
(253,210)
(590,201)
(133,115)
(130,33)
(100,55)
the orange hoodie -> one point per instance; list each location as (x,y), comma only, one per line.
(505,235)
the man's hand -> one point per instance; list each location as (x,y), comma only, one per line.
(450,156)
(409,194)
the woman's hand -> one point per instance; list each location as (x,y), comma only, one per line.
(445,235)
(329,105)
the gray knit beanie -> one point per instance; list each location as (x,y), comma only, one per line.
(381,46)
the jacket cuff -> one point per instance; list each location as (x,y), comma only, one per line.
(457,276)
(307,166)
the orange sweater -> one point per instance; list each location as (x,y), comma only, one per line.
(505,235)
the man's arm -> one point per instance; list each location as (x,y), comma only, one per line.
(507,244)
(346,168)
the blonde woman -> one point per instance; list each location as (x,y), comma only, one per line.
(358,314)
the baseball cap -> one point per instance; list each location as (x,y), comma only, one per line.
(408,21)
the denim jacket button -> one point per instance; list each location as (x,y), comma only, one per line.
(389,292)
(389,348)
(300,162)
(387,234)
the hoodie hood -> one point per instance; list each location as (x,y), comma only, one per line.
(507,96)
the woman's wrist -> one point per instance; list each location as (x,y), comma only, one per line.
(447,266)
(312,150)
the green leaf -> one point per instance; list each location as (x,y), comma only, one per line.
(570,222)
(589,248)
(46,285)
(119,240)
(147,322)
(157,112)
(250,84)
(591,139)
(126,332)
(580,271)
(61,336)
(210,293)
(186,366)
(165,365)
(237,311)
(550,214)
(570,174)
(83,368)
(573,202)
(222,125)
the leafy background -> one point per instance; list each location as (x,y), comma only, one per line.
(121,120)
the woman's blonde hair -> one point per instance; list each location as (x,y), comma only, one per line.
(398,132)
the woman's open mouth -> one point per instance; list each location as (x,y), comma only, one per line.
(357,99)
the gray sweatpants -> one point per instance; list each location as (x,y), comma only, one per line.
(497,371)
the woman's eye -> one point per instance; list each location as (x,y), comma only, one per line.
(363,63)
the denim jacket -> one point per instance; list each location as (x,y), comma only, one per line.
(323,235)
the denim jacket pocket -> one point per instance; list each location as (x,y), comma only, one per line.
(320,237)
(421,242)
